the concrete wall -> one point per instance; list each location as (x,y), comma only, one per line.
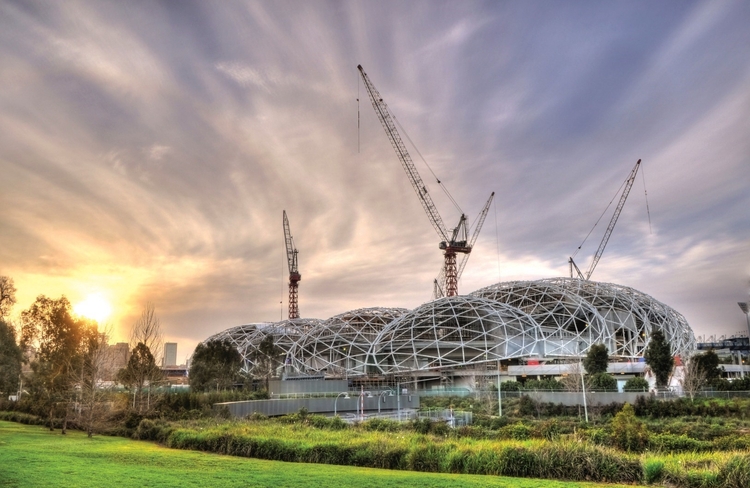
(299,387)
(317,405)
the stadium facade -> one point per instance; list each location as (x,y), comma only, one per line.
(488,332)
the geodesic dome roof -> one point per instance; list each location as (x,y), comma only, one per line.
(631,316)
(340,344)
(550,318)
(453,332)
(248,337)
(568,325)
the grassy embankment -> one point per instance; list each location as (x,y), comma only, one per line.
(34,456)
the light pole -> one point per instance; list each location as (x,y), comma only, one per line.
(746,311)
(398,400)
(362,403)
(346,395)
(382,396)
(499,397)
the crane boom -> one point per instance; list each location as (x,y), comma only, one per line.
(625,192)
(439,284)
(294,275)
(381,109)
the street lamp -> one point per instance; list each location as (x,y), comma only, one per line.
(346,396)
(362,403)
(382,396)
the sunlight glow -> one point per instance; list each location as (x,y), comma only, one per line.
(95,306)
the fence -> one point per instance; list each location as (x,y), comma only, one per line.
(453,418)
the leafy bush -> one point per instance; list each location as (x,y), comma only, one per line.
(653,471)
(601,382)
(520,432)
(677,443)
(629,433)
(150,430)
(636,384)
(546,384)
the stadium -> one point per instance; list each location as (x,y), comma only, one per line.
(515,329)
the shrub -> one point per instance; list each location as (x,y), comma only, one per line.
(653,471)
(636,384)
(677,443)
(601,382)
(550,429)
(520,432)
(421,426)
(629,433)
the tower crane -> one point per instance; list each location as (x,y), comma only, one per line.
(439,283)
(625,192)
(294,276)
(453,242)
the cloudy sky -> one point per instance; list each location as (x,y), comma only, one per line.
(147,150)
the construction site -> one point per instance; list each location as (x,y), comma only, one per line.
(508,331)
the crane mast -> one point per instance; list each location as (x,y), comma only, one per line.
(439,284)
(294,276)
(455,242)
(625,192)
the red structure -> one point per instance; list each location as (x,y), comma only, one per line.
(453,242)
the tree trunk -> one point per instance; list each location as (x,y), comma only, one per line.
(51,417)
(65,420)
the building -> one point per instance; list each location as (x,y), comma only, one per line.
(513,329)
(170,354)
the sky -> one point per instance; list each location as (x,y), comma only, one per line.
(148,149)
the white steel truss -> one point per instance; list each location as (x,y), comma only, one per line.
(554,318)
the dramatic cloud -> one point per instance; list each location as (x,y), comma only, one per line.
(147,151)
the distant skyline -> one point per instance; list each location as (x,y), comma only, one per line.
(148,149)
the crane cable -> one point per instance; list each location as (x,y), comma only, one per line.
(643,175)
(440,184)
(497,241)
(600,217)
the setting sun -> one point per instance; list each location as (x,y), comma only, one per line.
(95,306)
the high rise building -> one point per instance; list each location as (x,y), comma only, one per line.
(170,354)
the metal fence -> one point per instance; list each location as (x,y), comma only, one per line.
(454,418)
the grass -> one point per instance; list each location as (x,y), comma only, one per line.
(34,456)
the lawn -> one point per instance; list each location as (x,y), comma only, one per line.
(34,456)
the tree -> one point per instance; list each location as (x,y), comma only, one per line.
(659,358)
(597,359)
(693,376)
(58,336)
(10,359)
(708,362)
(629,433)
(95,365)
(7,296)
(147,331)
(217,364)
(265,358)
(140,369)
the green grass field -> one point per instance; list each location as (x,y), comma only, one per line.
(34,456)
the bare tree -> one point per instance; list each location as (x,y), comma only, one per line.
(7,296)
(147,332)
(95,365)
(693,376)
